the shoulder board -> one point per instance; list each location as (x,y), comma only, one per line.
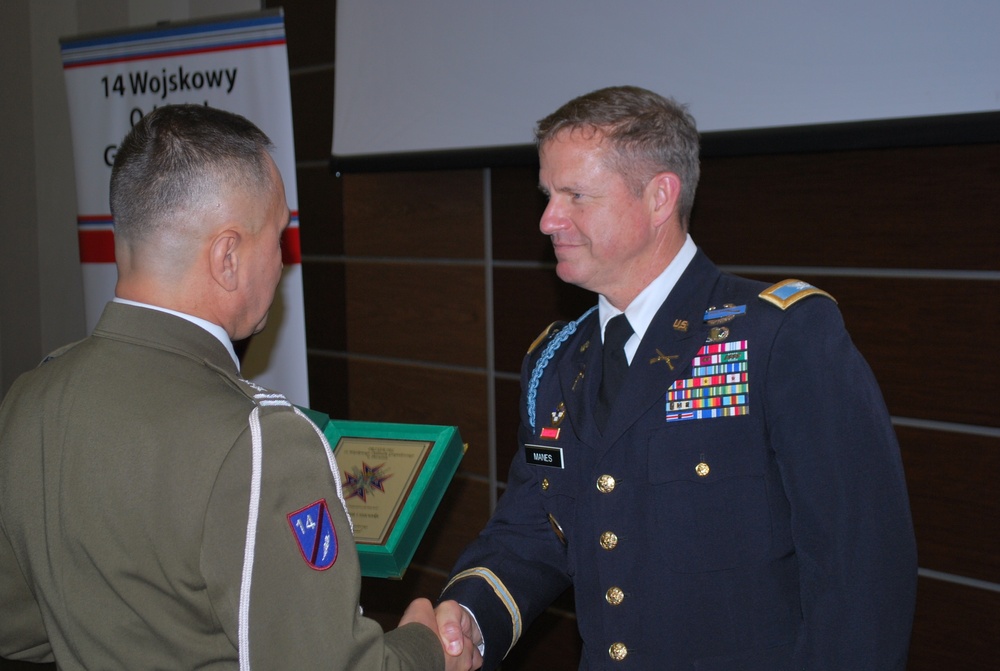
(257,394)
(261,395)
(549,331)
(786,293)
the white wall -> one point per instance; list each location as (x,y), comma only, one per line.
(41,295)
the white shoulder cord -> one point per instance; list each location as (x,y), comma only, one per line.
(248,550)
(257,453)
(334,468)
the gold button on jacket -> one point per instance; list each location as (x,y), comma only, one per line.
(606,484)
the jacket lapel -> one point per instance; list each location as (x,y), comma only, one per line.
(579,378)
(671,342)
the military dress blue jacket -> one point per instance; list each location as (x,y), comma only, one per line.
(744,509)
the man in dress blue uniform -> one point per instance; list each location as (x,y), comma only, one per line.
(715,473)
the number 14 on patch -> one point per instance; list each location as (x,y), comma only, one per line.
(315,535)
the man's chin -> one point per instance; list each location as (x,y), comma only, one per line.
(260,326)
(567,273)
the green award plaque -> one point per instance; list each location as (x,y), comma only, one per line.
(393,478)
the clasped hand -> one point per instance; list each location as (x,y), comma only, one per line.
(455,627)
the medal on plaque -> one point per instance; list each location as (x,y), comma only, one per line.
(393,478)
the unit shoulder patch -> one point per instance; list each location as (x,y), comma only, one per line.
(786,293)
(549,331)
(315,535)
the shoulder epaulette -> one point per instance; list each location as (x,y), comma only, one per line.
(549,331)
(786,293)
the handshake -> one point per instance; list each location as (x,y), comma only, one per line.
(456,628)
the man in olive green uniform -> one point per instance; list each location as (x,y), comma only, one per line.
(156,509)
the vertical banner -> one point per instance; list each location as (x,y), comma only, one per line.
(237,63)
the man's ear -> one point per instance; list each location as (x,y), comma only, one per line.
(224,259)
(665,194)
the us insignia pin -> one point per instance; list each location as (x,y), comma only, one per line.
(315,535)
(681,325)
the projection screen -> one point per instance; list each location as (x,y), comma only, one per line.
(417,76)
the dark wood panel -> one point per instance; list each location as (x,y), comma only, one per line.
(328,385)
(517,207)
(525,301)
(310,26)
(912,332)
(386,392)
(312,114)
(927,207)
(324,301)
(420,214)
(463,512)
(320,211)
(956,628)
(955,500)
(433,313)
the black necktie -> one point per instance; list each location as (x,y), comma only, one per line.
(616,333)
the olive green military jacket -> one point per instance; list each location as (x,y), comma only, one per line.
(158,511)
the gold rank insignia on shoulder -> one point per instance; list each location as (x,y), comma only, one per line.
(786,293)
(550,330)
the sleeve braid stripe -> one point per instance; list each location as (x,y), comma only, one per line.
(506,598)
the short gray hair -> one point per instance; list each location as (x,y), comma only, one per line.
(175,156)
(647,132)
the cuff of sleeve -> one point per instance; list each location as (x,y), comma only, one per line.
(481,646)
(417,646)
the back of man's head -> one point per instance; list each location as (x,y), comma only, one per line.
(175,161)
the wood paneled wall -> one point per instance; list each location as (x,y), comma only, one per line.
(425,287)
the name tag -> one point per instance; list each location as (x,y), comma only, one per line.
(539,455)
